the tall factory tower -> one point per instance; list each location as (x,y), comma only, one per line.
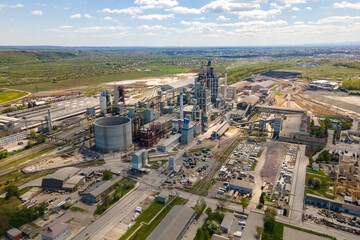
(207,88)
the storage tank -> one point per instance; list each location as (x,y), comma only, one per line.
(113,134)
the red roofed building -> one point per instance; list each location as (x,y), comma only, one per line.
(58,231)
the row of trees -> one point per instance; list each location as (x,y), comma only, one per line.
(238,74)
(211,225)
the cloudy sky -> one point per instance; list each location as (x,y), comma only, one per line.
(178,22)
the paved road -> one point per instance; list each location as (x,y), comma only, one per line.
(114,215)
(258,180)
(298,187)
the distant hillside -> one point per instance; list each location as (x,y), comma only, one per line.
(8,57)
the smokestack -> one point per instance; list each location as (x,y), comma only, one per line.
(225,88)
(181,106)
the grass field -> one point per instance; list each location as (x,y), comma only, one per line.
(279,232)
(70,83)
(8,95)
(326,182)
(146,216)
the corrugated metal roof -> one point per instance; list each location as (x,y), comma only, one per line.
(100,187)
(54,229)
(227,221)
(172,225)
(241,183)
(63,173)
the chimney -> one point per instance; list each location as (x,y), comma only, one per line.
(181,116)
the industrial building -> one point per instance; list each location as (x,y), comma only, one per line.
(226,222)
(113,134)
(8,122)
(262,85)
(241,186)
(57,231)
(74,183)
(174,225)
(96,192)
(322,84)
(56,181)
(332,204)
(166,144)
(139,160)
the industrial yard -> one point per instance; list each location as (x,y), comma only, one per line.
(152,142)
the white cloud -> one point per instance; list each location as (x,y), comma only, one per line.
(107,18)
(256,23)
(222,18)
(219,6)
(100,28)
(17,6)
(154,27)
(155,16)
(130,10)
(308,8)
(295,9)
(338,19)
(77,15)
(87,15)
(148,4)
(274,5)
(66,27)
(184,10)
(345,4)
(293,17)
(37,13)
(298,22)
(293,1)
(259,14)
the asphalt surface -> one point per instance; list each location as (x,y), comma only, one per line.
(296,202)
(114,215)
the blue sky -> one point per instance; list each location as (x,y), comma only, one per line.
(178,22)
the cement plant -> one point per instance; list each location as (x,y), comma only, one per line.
(181,155)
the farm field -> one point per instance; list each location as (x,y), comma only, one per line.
(8,95)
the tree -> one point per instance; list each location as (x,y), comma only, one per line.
(259,231)
(327,123)
(311,160)
(107,174)
(200,206)
(316,183)
(270,214)
(310,182)
(11,190)
(208,211)
(262,201)
(312,124)
(199,234)
(221,204)
(211,226)
(244,203)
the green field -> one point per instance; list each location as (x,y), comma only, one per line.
(326,182)
(8,95)
(279,232)
(145,230)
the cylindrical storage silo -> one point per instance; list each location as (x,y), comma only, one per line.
(113,133)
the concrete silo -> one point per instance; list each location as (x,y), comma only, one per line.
(113,133)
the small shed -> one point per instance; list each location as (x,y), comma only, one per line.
(162,197)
